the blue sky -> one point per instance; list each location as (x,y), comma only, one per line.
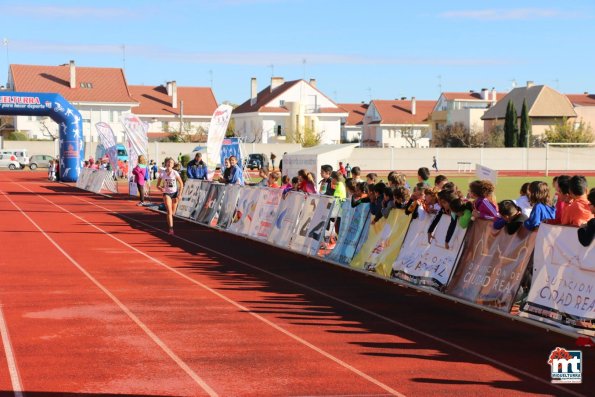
(356,50)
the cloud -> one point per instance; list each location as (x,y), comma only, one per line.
(508,14)
(67,12)
(254,58)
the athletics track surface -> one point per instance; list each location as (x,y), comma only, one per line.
(97,300)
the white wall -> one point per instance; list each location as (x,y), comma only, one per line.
(470,118)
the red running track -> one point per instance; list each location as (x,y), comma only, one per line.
(97,300)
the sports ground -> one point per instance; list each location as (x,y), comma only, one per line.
(97,300)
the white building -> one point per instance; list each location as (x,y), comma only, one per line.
(168,109)
(399,123)
(352,125)
(285,110)
(100,94)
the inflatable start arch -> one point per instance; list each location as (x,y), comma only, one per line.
(62,112)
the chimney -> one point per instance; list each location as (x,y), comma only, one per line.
(530,84)
(403,98)
(168,87)
(413,106)
(484,94)
(313,82)
(253,91)
(276,82)
(174,95)
(494,96)
(72,75)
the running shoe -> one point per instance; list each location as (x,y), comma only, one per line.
(171,232)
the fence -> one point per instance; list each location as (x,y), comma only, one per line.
(478,266)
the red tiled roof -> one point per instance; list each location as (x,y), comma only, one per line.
(264,97)
(356,112)
(466,96)
(198,101)
(399,112)
(582,99)
(108,84)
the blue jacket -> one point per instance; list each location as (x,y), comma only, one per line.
(237,176)
(196,170)
(539,213)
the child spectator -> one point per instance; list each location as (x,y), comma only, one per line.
(578,211)
(338,185)
(401,196)
(342,169)
(141,174)
(423,174)
(430,204)
(376,193)
(463,209)
(372,178)
(360,195)
(306,182)
(481,192)
(587,232)
(512,217)
(445,197)
(539,197)
(356,174)
(388,203)
(439,181)
(291,187)
(523,201)
(272,179)
(264,174)
(350,187)
(561,198)
(415,205)
(286,183)
(325,183)
(52,170)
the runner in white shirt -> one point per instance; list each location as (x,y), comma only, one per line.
(170,183)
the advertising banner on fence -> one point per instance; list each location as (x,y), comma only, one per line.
(310,232)
(383,245)
(108,140)
(428,264)
(215,136)
(563,285)
(228,205)
(264,216)
(136,134)
(353,221)
(202,196)
(286,218)
(83,178)
(95,180)
(189,198)
(244,214)
(211,204)
(492,265)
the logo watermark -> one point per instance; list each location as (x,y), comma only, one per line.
(566,365)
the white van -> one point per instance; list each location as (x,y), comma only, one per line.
(20,155)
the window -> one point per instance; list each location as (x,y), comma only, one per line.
(86,85)
(282,102)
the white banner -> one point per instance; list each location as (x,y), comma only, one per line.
(136,134)
(286,219)
(244,214)
(485,173)
(228,205)
(83,178)
(264,216)
(563,285)
(108,140)
(427,264)
(310,232)
(217,129)
(190,197)
(95,180)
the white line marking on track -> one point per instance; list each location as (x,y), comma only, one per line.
(234,303)
(353,305)
(11,361)
(199,381)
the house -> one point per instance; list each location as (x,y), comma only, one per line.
(285,111)
(465,108)
(100,94)
(169,108)
(352,125)
(546,106)
(399,123)
(584,107)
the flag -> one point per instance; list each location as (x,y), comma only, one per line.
(216,135)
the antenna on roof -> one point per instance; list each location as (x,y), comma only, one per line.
(123,56)
(439,83)
(211,77)
(369,94)
(272,70)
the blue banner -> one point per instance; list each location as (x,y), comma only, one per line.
(353,223)
(231,147)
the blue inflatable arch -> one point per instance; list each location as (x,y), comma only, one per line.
(69,120)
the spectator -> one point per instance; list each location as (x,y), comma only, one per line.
(401,196)
(523,201)
(281,164)
(291,187)
(141,174)
(483,207)
(338,185)
(586,233)
(539,197)
(371,178)
(350,187)
(273,157)
(348,171)
(306,182)
(423,174)
(356,174)
(578,211)
(273,177)
(562,198)
(236,175)
(342,169)
(264,174)
(376,193)
(326,183)
(360,194)
(512,216)
(154,169)
(226,171)
(440,181)
(196,168)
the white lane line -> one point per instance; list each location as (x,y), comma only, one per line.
(15,379)
(239,306)
(199,381)
(352,305)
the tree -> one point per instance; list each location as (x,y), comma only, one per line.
(457,135)
(511,129)
(569,132)
(307,137)
(411,136)
(46,130)
(525,126)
